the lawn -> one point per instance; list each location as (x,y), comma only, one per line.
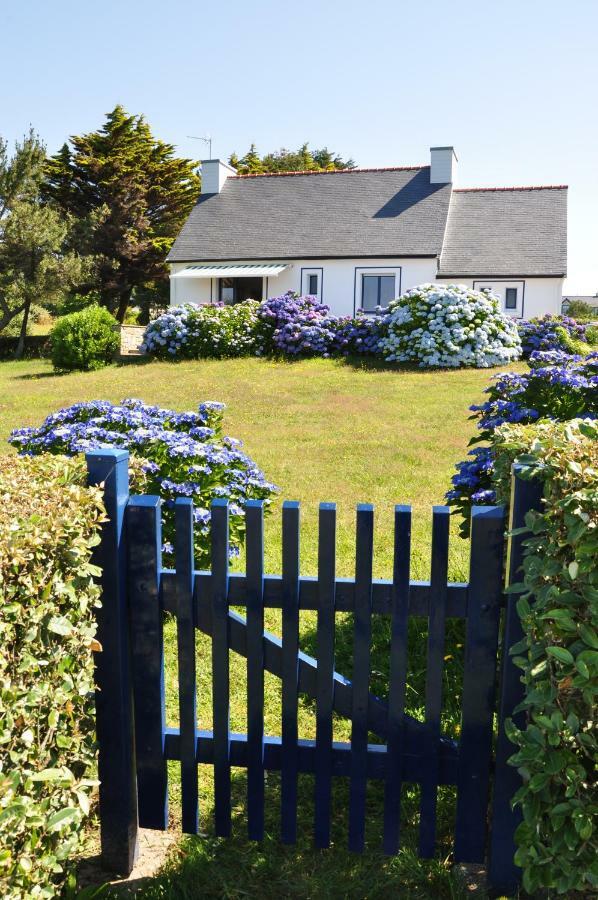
(321,430)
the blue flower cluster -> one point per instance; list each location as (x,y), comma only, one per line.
(557,386)
(540,333)
(174,454)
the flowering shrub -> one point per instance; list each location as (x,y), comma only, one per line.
(295,325)
(361,335)
(175,455)
(196,332)
(557,386)
(543,333)
(49,523)
(449,325)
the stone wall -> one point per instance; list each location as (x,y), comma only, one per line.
(131,337)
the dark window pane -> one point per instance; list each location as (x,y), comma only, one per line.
(312,285)
(387,289)
(511,298)
(369,294)
(227,290)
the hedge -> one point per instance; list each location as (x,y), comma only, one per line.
(49,522)
(37,346)
(558,747)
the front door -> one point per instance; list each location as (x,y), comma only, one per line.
(235,290)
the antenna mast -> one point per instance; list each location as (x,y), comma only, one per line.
(207,140)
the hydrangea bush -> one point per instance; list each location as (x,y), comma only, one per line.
(543,333)
(174,454)
(558,387)
(193,331)
(295,325)
(449,325)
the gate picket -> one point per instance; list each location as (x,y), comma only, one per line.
(479,682)
(220,668)
(361,674)
(325,672)
(254,513)
(147,655)
(398,679)
(186,662)
(434,670)
(290,670)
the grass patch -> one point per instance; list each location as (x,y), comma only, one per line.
(321,430)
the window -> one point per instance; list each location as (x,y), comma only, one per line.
(376,290)
(312,285)
(511,298)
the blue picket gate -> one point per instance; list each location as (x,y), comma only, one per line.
(135,745)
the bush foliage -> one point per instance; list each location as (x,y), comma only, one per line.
(174,454)
(548,333)
(84,340)
(449,326)
(558,607)
(49,523)
(202,332)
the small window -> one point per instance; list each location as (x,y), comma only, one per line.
(227,290)
(511,298)
(312,285)
(377,290)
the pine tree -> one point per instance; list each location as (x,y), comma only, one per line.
(283,160)
(135,193)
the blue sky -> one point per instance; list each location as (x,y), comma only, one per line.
(512,85)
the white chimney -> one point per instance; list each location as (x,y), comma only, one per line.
(443,165)
(214,173)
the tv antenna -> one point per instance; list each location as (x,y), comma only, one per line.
(207,140)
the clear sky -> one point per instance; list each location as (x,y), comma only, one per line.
(513,84)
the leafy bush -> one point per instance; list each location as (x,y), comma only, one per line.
(175,455)
(546,333)
(449,325)
(48,525)
(579,309)
(361,335)
(198,332)
(84,340)
(296,325)
(557,746)
(558,386)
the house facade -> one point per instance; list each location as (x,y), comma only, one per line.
(358,238)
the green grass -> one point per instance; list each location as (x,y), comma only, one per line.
(321,430)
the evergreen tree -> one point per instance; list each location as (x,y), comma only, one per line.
(283,160)
(132,193)
(36,265)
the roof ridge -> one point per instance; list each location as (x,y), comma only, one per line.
(529,187)
(329,172)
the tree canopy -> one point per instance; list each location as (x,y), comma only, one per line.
(134,195)
(283,160)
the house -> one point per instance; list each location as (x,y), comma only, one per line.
(358,238)
(590,299)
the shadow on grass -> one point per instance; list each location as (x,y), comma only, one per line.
(207,866)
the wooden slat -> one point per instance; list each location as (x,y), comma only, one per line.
(434,671)
(290,670)
(186,661)
(324,674)
(479,682)
(147,654)
(220,668)
(254,514)
(362,635)
(413,763)
(398,680)
(382,590)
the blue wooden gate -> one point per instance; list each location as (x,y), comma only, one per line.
(135,745)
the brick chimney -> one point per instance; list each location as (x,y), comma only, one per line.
(214,173)
(443,165)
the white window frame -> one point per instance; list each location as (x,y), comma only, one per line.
(499,286)
(318,271)
(374,270)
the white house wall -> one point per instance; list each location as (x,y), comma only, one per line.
(536,296)
(340,282)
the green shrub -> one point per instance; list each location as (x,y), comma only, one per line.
(573,345)
(557,748)
(84,340)
(48,524)
(580,310)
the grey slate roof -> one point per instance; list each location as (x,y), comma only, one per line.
(506,232)
(383,212)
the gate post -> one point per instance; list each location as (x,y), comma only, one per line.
(113,699)
(503,875)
